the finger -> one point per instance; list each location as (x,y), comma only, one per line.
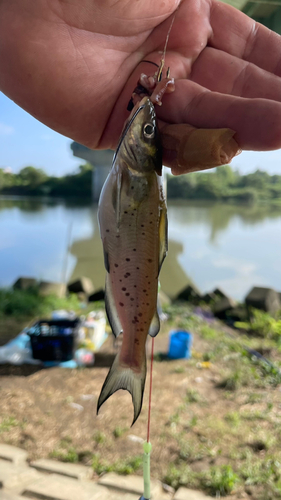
(257,122)
(222,72)
(241,36)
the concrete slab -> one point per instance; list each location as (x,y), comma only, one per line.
(9,496)
(187,494)
(13,454)
(76,471)
(129,484)
(15,477)
(55,487)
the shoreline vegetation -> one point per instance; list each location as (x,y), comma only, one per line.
(223,184)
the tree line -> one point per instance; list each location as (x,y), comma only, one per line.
(221,184)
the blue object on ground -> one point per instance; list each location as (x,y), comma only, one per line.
(180,344)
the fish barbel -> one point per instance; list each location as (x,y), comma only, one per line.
(133,227)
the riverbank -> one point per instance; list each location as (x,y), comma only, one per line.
(215,418)
(221,184)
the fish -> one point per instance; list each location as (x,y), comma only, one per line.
(132,217)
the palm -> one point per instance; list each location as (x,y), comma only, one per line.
(74,66)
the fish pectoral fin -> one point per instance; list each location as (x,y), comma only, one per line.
(106,259)
(110,308)
(163,234)
(123,377)
(154,325)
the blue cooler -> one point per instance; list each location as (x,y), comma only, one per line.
(180,344)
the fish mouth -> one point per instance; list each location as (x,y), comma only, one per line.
(141,106)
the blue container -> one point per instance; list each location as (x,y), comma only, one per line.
(180,344)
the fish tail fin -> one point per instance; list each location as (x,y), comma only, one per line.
(123,377)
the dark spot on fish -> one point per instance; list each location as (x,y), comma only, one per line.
(125,212)
(144,290)
(147,303)
(150,222)
(134,249)
(137,340)
(146,276)
(134,209)
(121,304)
(137,267)
(120,281)
(132,187)
(143,234)
(133,214)
(107,230)
(146,294)
(142,225)
(128,260)
(132,298)
(151,213)
(129,225)
(124,289)
(149,260)
(126,275)
(116,265)
(141,330)
(118,236)
(140,314)
(127,294)
(135,286)
(145,322)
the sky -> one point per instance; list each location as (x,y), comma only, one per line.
(25,141)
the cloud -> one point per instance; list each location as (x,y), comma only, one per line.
(6,129)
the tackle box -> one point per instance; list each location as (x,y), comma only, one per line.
(54,340)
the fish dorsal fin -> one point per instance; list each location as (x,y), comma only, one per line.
(163,233)
(154,325)
(110,308)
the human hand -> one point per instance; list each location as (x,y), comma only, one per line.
(73,65)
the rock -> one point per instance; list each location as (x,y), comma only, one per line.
(219,293)
(209,297)
(238,313)
(189,294)
(83,284)
(23,283)
(262,298)
(95,297)
(49,288)
(223,306)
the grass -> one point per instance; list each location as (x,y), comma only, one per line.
(30,303)
(125,467)
(70,455)
(7,423)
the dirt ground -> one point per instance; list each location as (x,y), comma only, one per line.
(217,409)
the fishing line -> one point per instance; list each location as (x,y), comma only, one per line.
(147,445)
(150,390)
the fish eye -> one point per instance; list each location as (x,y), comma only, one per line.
(148,130)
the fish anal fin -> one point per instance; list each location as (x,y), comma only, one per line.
(110,308)
(123,377)
(154,325)
(163,234)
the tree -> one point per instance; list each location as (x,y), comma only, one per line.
(32,176)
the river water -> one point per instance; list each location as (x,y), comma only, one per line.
(210,244)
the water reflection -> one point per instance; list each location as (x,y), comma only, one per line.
(215,244)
